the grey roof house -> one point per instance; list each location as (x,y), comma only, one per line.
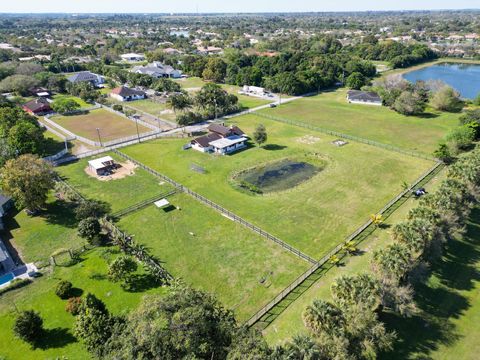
(363,97)
(87,76)
(6,204)
(158,70)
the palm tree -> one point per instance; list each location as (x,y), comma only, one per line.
(361,289)
(377,219)
(322,316)
(303,347)
(394,261)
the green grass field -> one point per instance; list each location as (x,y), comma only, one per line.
(221,256)
(190,82)
(119,193)
(111,126)
(358,180)
(152,107)
(38,237)
(83,104)
(331,111)
(289,319)
(89,275)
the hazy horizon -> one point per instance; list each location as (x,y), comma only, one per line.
(219,7)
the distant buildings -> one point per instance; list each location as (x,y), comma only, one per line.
(208,50)
(132,57)
(158,70)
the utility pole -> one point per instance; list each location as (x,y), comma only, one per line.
(138,134)
(99,137)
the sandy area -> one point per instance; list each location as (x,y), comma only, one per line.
(308,139)
(125,169)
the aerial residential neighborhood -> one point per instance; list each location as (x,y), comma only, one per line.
(226,181)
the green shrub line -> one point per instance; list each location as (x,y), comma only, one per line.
(15,284)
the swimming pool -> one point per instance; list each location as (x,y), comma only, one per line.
(6,278)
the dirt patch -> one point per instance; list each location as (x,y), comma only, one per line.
(124,169)
(308,139)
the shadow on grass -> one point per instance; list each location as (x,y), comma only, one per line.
(141,283)
(60,213)
(439,301)
(274,147)
(55,338)
(427,115)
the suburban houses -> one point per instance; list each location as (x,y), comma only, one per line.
(221,140)
(39,106)
(132,57)
(124,93)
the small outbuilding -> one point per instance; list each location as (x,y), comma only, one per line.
(102,166)
(364,97)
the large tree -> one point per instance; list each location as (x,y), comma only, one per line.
(65,105)
(27,179)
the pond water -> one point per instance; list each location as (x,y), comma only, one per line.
(279,175)
(465,78)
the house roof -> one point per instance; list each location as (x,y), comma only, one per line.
(155,68)
(365,96)
(100,163)
(224,130)
(37,105)
(83,76)
(204,141)
(124,91)
(132,55)
(226,142)
(4,199)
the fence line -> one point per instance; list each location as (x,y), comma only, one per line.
(54,157)
(275,301)
(142,204)
(119,113)
(220,209)
(348,137)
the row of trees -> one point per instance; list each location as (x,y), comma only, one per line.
(348,326)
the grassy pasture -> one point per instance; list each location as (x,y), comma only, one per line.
(82,103)
(243,269)
(289,321)
(357,181)
(111,126)
(119,193)
(89,275)
(331,111)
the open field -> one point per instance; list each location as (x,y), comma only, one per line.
(83,104)
(331,111)
(151,107)
(37,237)
(289,320)
(190,82)
(119,193)
(89,275)
(316,215)
(243,269)
(111,126)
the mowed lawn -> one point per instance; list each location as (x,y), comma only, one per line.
(288,321)
(89,275)
(213,253)
(119,193)
(36,238)
(111,126)
(330,110)
(152,107)
(316,215)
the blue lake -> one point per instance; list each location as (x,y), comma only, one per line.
(465,78)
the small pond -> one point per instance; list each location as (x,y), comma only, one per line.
(465,78)
(280,175)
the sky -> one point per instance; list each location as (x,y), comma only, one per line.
(203,6)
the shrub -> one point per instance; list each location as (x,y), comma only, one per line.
(73,305)
(15,284)
(461,137)
(64,289)
(89,228)
(28,326)
(188,118)
(447,99)
(117,107)
(250,187)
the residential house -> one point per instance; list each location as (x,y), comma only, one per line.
(39,106)
(132,57)
(87,76)
(158,70)
(220,140)
(6,204)
(364,97)
(124,93)
(40,92)
(208,50)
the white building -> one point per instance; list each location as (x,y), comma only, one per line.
(101,165)
(132,57)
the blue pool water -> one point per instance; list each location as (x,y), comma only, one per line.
(465,78)
(6,278)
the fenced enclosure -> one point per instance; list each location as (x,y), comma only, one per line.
(348,137)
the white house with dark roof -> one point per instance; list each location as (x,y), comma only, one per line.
(87,76)
(364,97)
(158,70)
(124,93)
(132,57)
(220,140)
